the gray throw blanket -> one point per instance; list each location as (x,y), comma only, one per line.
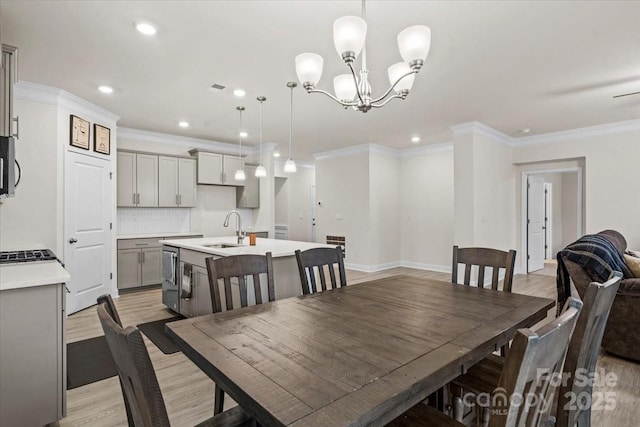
(596,255)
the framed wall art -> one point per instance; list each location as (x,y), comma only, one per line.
(79,132)
(101,139)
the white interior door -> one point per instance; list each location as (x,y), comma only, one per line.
(535,223)
(87,219)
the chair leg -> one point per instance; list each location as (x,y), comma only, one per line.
(218,405)
(457,403)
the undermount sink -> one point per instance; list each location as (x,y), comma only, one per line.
(221,245)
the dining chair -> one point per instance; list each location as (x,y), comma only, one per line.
(525,388)
(317,259)
(483,258)
(110,307)
(140,384)
(237,267)
(582,355)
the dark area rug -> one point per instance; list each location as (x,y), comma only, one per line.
(89,361)
(155,332)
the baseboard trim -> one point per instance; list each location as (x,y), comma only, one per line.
(395,264)
(423,266)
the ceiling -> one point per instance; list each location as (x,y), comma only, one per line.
(547,66)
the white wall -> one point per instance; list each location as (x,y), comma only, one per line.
(569,207)
(611,169)
(426,207)
(384,212)
(342,189)
(299,218)
(281,200)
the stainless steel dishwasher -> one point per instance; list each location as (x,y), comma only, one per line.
(171,278)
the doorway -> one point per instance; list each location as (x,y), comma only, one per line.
(552,215)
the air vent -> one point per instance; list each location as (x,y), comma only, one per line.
(217,86)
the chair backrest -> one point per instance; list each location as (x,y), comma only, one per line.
(110,307)
(583,352)
(527,384)
(483,258)
(316,259)
(239,266)
(137,376)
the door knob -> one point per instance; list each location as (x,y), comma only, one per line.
(72,240)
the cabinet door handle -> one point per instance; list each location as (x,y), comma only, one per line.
(134,198)
(180,199)
(139,257)
(1,172)
(143,257)
(177,200)
(137,198)
(16,119)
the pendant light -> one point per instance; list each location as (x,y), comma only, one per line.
(240,176)
(261,172)
(290,165)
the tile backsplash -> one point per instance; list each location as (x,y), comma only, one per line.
(153,220)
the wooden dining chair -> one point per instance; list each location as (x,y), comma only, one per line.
(110,307)
(483,258)
(582,355)
(317,259)
(530,369)
(140,384)
(237,267)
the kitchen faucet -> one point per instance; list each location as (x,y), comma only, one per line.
(239,231)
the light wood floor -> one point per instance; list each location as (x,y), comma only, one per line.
(188,393)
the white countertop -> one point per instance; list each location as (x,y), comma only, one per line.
(156,235)
(29,274)
(278,248)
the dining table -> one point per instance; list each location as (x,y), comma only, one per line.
(358,355)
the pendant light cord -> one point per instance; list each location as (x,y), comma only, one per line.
(261,131)
(240,137)
(291,124)
(364,47)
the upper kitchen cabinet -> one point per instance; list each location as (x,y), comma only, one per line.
(217,169)
(176,182)
(249,195)
(9,125)
(137,179)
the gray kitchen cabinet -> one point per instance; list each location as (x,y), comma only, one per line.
(34,355)
(203,292)
(176,182)
(139,263)
(217,169)
(9,125)
(137,179)
(248,196)
(129,272)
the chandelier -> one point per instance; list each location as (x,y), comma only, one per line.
(351,90)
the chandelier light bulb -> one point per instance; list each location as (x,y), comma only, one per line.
(344,87)
(414,43)
(261,171)
(290,166)
(239,176)
(349,34)
(309,68)
(398,70)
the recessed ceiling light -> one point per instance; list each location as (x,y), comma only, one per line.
(525,130)
(276,154)
(244,134)
(183,124)
(415,139)
(146,28)
(105,89)
(239,93)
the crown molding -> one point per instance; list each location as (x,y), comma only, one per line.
(357,149)
(426,149)
(50,95)
(584,132)
(481,129)
(182,141)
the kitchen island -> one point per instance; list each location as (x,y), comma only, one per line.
(185,284)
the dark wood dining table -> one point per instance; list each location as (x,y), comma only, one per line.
(357,355)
